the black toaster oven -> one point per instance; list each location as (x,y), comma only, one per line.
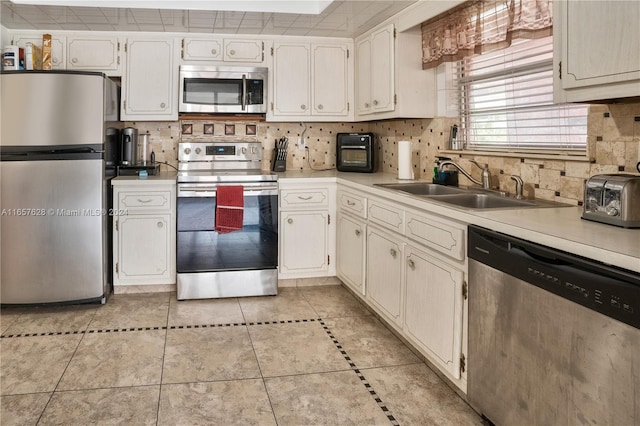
(355,152)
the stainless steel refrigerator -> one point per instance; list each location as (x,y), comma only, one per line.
(54,186)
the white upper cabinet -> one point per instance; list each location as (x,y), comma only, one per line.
(202,49)
(375,59)
(382,68)
(390,81)
(58,46)
(149,85)
(363,76)
(330,77)
(251,51)
(311,81)
(291,79)
(596,50)
(90,53)
(219,49)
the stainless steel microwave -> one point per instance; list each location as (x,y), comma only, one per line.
(209,89)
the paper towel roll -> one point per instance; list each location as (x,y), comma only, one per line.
(405,170)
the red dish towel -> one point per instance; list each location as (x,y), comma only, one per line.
(229,208)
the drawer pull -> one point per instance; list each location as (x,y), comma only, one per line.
(160,225)
(351,203)
(307,198)
(358,232)
(393,253)
(143,201)
(163,105)
(214,52)
(289,220)
(412,264)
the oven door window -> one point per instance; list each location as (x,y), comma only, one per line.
(209,91)
(201,249)
(354,156)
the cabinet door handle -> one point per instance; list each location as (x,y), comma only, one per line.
(74,60)
(289,220)
(160,225)
(351,203)
(305,198)
(214,52)
(367,105)
(393,252)
(303,107)
(143,201)
(412,264)
(162,105)
(320,106)
(358,232)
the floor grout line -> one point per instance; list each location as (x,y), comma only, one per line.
(364,381)
(164,327)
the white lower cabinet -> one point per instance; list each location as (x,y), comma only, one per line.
(144,234)
(384,274)
(305,240)
(434,307)
(306,230)
(414,272)
(350,251)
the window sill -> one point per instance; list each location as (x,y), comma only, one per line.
(582,157)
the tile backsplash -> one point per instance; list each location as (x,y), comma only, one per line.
(613,144)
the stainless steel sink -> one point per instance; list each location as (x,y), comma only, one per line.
(422,188)
(484,201)
(467,198)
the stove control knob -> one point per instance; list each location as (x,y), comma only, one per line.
(187,151)
(198,151)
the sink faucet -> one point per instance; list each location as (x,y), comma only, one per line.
(486,176)
(519,186)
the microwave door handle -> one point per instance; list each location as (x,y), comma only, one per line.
(244,92)
(354,147)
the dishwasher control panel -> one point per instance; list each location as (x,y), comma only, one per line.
(611,291)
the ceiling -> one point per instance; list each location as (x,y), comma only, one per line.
(342,18)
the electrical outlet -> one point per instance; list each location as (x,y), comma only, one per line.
(302,143)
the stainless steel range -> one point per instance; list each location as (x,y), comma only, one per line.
(239,263)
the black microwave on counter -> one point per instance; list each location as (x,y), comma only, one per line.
(355,152)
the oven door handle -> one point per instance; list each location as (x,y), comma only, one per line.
(353,147)
(210,191)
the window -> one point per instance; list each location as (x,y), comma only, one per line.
(506,102)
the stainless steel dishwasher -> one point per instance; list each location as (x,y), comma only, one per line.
(554,338)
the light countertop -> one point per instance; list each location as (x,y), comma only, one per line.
(166,177)
(556,227)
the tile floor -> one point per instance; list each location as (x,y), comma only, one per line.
(309,356)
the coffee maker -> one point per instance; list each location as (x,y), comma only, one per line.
(129,146)
(132,160)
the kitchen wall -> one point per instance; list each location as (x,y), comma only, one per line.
(613,140)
